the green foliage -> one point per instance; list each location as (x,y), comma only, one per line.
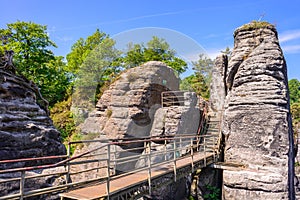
(214,193)
(196,83)
(199,81)
(227,52)
(204,66)
(191,198)
(34,59)
(156,49)
(294,89)
(54,80)
(63,119)
(82,48)
(97,69)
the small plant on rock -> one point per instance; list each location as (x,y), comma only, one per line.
(214,193)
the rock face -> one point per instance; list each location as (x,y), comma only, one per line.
(218,86)
(132,108)
(26,130)
(257,122)
(172,121)
(127,108)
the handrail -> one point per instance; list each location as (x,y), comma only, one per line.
(181,143)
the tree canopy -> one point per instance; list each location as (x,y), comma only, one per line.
(156,49)
(82,48)
(34,59)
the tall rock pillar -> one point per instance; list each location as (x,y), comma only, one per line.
(257,122)
(218,86)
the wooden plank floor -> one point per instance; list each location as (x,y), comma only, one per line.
(99,191)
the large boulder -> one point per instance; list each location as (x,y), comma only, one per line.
(127,108)
(257,122)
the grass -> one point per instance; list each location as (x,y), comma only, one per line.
(256,25)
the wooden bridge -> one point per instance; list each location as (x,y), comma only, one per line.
(99,172)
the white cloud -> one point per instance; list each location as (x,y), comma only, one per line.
(291,49)
(289,35)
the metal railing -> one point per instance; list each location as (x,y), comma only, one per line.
(172,98)
(103,162)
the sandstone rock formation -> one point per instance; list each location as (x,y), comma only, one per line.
(132,108)
(127,108)
(172,121)
(257,121)
(26,130)
(217,86)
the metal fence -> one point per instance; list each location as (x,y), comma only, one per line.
(103,161)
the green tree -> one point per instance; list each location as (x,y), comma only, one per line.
(156,49)
(199,82)
(227,52)
(195,83)
(34,59)
(31,44)
(55,80)
(82,48)
(294,89)
(203,66)
(98,68)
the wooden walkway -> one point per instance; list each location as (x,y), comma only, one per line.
(129,181)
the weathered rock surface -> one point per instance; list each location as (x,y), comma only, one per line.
(131,108)
(127,108)
(217,85)
(256,118)
(173,121)
(26,130)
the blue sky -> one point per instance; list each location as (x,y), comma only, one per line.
(210,24)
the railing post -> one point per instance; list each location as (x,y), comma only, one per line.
(165,149)
(204,147)
(214,148)
(175,167)
(180,143)
(108,171)
(149,169)
(115,160)
(22,185)
(192,155)
(68,178)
